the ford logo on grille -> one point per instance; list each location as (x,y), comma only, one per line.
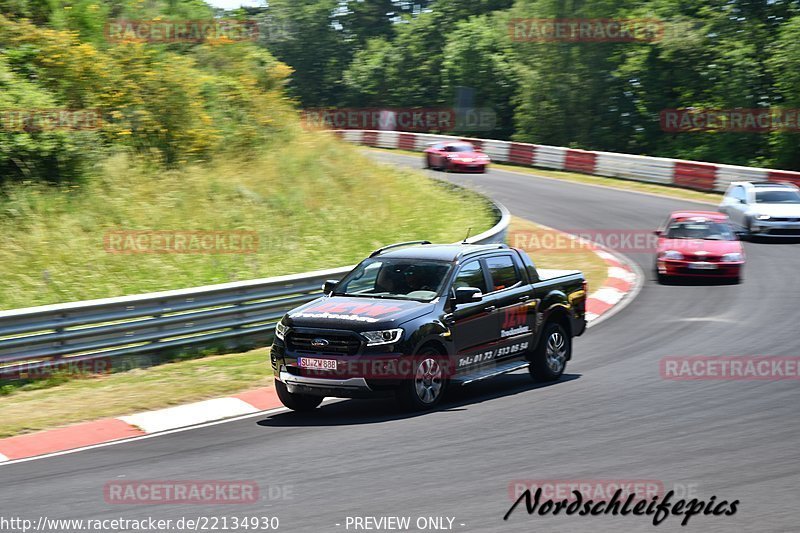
(319,343)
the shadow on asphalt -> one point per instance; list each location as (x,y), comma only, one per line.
(698,282)
(355,412)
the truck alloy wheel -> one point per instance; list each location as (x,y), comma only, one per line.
(425,387)
(428,380)
(551,355)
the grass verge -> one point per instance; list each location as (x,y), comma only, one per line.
(43,405)
(32,408)
(313,203)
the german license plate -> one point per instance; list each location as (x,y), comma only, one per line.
(316,364)
(702,266)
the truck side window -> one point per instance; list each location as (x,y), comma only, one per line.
(503,272)
(471,275)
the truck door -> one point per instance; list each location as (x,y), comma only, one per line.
(516,307)
(473,325)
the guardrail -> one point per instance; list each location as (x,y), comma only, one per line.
(234,314)
(695,175)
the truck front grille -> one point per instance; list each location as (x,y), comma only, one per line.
(337,343)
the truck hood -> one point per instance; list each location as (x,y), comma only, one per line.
(356,314)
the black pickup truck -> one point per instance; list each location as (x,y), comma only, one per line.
(415,318)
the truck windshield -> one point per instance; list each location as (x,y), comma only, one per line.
(395,278)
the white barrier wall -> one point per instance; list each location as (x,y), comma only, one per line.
(634,167)
(497,150)
(728,173)
(679,173)
(549,157)
(352,136)
(388,139)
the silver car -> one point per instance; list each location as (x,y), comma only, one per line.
(763,208)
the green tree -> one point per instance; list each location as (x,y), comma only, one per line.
(479,54)
(312,47)
(784,66)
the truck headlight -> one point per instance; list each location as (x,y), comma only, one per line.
(672,254)
(387,336)
(281,330)
(763,217)
(732,257)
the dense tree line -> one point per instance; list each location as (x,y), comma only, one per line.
(713,54)
(169,102)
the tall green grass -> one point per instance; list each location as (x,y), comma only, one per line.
(314,202)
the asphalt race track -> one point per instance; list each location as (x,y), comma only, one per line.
(612,417)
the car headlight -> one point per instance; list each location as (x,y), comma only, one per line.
(387,336)
(281,330)
(735,256)
(763,217)
(672,254)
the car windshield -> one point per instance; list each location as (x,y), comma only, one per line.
(700,229)
(460,148)
(407,279)
(778,197)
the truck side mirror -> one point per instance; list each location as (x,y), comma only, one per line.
(329,285)
(466,295)
(657,232)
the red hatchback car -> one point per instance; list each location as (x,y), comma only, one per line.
(456,156)
(699,243)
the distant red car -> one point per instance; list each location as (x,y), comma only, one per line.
(458,156)
(699,243)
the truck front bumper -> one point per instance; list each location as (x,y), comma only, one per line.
(353,387)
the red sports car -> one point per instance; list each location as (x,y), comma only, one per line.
(456,156)
(699,243)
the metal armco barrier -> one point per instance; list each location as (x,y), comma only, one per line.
(676,172)
(236,314)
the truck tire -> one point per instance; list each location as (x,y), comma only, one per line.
(296,402)
(549,358)
(425,387)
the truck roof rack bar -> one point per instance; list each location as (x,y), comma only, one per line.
(491,246)
(484,248)
(396,245)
